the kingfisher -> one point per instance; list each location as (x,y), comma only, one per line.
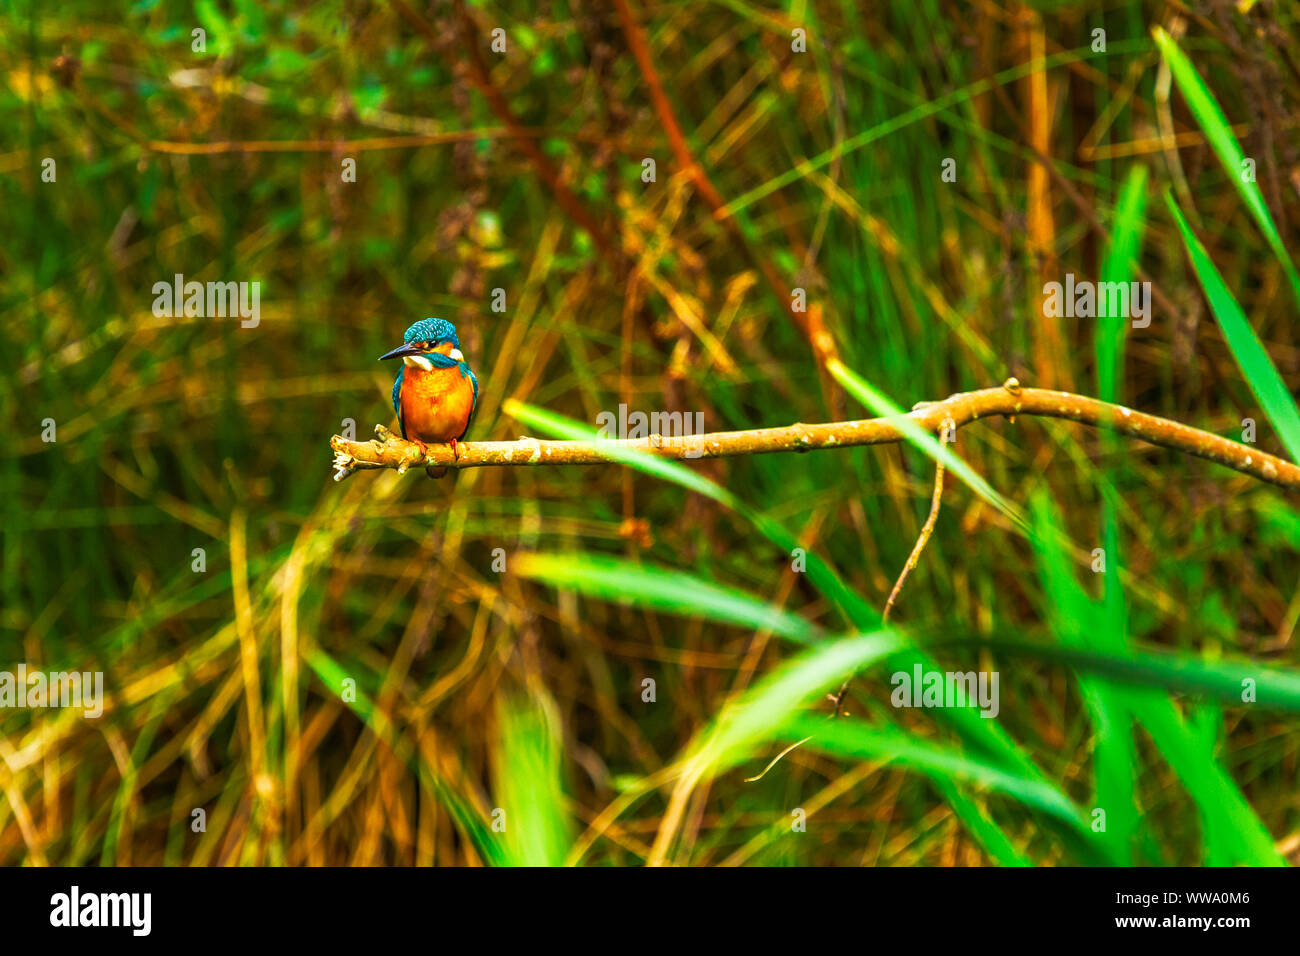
(435,394)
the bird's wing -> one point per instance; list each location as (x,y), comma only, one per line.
(397,398)
(473,408)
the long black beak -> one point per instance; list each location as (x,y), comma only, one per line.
(402,351)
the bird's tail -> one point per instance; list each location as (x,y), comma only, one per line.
(433,472)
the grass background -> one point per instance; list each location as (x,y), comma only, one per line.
(484,697)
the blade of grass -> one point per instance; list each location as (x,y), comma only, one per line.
(527,773)
(1205,108)
(1256,366)
(853,738)
(662,589)
(977,823)
(1125,245)
(1275,688)
(758,715)
(1075,621)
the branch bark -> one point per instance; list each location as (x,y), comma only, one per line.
(955,411)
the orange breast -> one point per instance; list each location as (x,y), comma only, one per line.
(436,405)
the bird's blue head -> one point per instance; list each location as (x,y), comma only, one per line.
(433,331)
(426,336)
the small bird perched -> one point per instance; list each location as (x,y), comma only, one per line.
(435,393)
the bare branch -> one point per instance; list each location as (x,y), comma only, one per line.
(958,410)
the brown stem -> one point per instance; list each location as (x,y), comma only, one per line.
(926,530)
(808,322)
(663,108)
(958,410)
(946,434)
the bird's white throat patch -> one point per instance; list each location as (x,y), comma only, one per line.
(418,361)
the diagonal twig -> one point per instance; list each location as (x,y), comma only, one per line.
(948,432)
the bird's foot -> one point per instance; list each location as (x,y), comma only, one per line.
(455,450)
